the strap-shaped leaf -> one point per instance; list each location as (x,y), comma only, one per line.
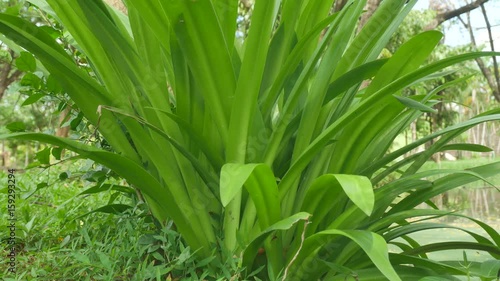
(467,147)
(442,246)
(253,247)
(83,90)
(332,186)
(261,185)
(446,183)
(340,123)
(375,120)
(411,103)
(372,244)
(250,79)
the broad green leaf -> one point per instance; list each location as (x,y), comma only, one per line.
(403,230)
(43,156)
(227,12)
(320,84)
(206,175)
(290,106)
(31,80)
(359,134)
(261,185)
(233,177)
(26,62)
(32,99)
(407,58)
(252,248)
(259,181)
(378,28)
(430,173)
(372,244)
(357,188)
(16,127)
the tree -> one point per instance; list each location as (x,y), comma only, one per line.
(8,73)
(492,77)
(445,11)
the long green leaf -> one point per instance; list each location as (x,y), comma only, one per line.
(372,244)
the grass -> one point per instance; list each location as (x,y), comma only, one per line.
(55,243)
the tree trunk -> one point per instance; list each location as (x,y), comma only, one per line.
(63,131)
(7,76)
(492,80)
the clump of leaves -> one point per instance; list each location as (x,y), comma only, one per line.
(268,149)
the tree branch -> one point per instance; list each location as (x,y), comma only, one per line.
(447,15)
(442,17)
(480,63)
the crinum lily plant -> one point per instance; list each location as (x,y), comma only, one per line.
(267,147)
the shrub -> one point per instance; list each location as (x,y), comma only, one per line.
(270,149)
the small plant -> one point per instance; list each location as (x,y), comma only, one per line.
(267,150)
